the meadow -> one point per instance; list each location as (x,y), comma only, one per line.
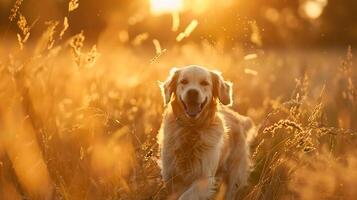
(78,120)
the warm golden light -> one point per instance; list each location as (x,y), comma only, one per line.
(166,6)
(314,8)
(96,102)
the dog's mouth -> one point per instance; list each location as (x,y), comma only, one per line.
(193,109)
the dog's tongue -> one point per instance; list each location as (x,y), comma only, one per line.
(193,109)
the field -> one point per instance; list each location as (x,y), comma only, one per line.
(78,120)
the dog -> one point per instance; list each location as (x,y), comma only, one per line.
(202,141)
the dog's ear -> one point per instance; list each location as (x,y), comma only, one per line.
(169,85)
(221,89)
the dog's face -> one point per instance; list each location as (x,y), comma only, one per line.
(194,90)
(195,87)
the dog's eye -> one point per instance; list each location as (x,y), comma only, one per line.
(204,83)
(184,81)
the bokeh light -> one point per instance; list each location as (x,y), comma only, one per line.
(166,6)
(314,8)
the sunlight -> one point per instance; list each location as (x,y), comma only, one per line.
(166,6)
(313,9)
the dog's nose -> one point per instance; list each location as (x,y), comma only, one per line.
(192,95)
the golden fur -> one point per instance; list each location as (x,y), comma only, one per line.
(198,152)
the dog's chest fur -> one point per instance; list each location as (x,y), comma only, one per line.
(191,151)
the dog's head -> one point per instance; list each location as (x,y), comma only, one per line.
(195,87)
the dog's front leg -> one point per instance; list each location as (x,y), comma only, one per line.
(237,176)
(202,188)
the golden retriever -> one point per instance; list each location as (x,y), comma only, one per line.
(202,141)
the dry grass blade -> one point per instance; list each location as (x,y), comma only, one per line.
(250,71)
(250,56)
(65,27)
(255,36)
(139,39)
(188,30)
(14,9)
(157,46)
(175,21)
(76,43)
(72,5)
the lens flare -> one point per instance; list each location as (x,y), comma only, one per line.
(314,8)
(166,6)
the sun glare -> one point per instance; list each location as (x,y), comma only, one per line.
(166,6)
(314,8)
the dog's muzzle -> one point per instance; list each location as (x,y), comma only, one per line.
(193,108)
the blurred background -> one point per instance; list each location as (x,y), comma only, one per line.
(280,23)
